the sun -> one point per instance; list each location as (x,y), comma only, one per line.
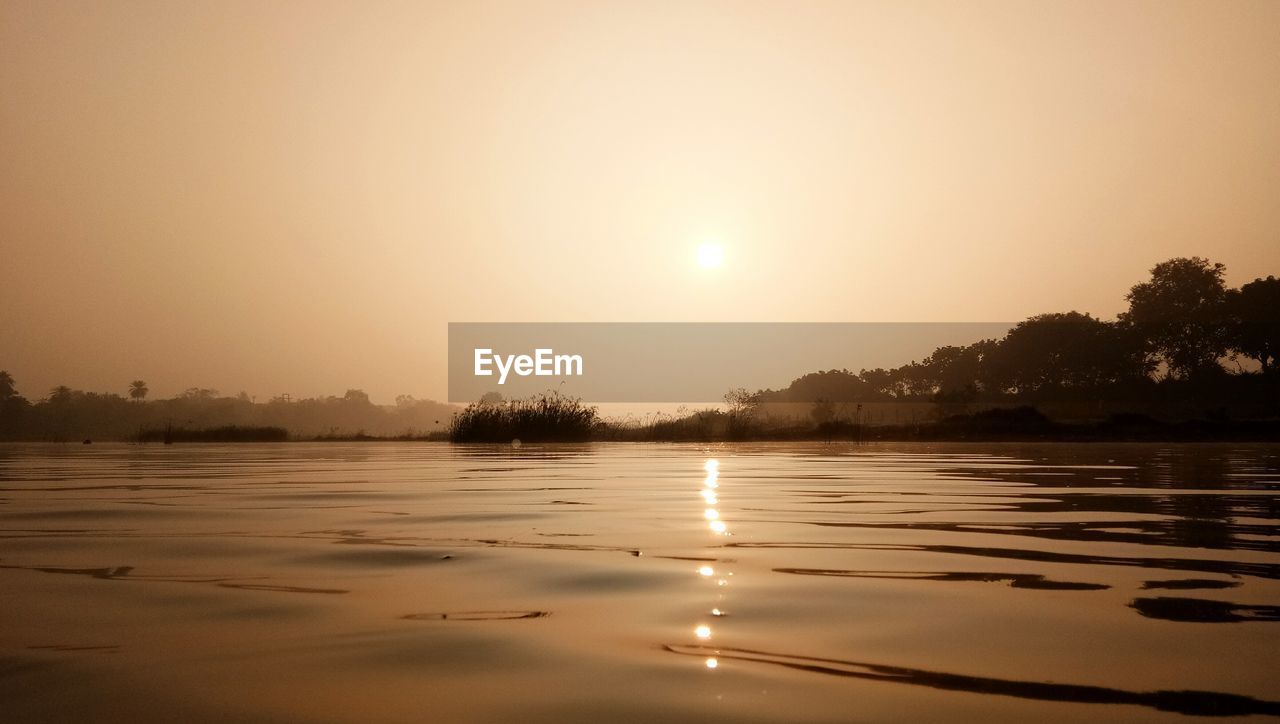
(710,255)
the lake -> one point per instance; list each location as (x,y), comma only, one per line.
(631,582)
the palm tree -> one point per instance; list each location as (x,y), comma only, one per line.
(138,390)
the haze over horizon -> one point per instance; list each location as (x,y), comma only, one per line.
(298,197)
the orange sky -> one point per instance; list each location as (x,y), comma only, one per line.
(297,197)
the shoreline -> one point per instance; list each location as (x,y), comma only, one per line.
(1268,433)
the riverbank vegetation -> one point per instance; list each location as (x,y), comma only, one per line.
(544,417)
(1023,423)
(72,415)
(1187,345)
(226,433)
(1189,358)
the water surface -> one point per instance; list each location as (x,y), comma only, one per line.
(761,582)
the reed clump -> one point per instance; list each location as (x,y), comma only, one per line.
(546,417)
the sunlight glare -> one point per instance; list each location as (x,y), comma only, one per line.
(710,256)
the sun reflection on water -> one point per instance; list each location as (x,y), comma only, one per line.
(718,527)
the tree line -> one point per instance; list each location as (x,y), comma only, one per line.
(1185,335)
(1186,342)
(66,414)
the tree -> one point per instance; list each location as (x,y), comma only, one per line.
(13,407)
(743,406)
(831,385)
(138,390)
(7,390)
(356,396)
(1059,351)
(1179,315)
(61,394)
(880,380)
(955,371)
(742,402)
(1255,321)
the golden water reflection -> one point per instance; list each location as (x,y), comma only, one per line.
(718,527)
(1020,582)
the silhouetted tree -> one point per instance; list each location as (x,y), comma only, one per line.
(743,406)
(913,379)
(61,395)
(831,385)
(1179,315)
(356,396)
(953,372)
(881,380)
(138,390)
(1255,321)
(7,390)
(1063,350)
(13,407)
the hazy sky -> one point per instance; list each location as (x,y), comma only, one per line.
(297,197)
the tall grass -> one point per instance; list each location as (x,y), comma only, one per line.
(546,417)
